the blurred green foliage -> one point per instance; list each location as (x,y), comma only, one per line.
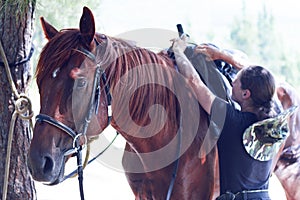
(263,44)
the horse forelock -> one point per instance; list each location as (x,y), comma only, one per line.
(57,52)
(54,59)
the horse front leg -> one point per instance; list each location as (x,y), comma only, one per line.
(135,180)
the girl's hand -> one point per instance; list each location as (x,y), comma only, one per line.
(212,52)
(179,44)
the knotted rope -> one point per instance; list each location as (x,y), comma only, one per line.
(22,109)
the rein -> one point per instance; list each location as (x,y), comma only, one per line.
(175,170)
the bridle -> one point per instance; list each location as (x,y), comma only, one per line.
(92,107)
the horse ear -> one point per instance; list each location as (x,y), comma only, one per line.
(87,26)
(48,29)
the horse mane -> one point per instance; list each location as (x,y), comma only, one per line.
(124,56)
(142,74)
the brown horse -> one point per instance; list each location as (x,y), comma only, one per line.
(288,166)
(152,108)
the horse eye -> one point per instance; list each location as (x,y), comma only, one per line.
(80,82)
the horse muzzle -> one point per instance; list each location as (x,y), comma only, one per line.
(47,168)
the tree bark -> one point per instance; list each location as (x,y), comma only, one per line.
(16,31)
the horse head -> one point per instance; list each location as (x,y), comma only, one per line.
(71,97)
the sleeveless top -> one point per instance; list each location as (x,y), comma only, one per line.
(238,170)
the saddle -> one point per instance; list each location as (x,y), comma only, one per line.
(217,75)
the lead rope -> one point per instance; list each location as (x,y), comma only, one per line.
(23,109)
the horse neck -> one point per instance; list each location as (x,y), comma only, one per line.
(136,77)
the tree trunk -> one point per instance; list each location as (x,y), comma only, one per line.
(16,30)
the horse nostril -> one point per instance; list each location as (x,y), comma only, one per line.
(48,165)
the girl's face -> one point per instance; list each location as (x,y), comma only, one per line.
(237,91)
